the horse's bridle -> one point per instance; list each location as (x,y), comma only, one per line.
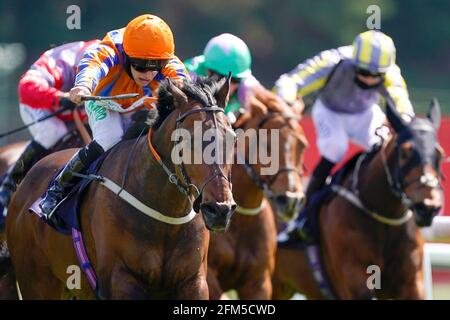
(396,174)
(185,186)
(395,177)
(262,184)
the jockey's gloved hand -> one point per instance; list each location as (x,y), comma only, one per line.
(65,102)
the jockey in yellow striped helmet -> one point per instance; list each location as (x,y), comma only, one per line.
(346,86)
(373,51)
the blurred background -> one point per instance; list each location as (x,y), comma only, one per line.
(280,34)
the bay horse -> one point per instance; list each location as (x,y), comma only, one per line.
(369,225)
(8,156)
(134,256)
(243,257)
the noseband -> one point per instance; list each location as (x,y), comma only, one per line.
(396,175)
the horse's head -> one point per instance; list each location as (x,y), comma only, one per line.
(202,137)
(414,163)
(277,166)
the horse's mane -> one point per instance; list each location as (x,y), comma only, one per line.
(197,90)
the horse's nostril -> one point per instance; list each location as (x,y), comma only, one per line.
(218,208)
(281,200)
(217,215)
(208,208)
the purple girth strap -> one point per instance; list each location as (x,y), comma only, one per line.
(83,259)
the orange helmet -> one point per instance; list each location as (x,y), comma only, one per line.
(148,37)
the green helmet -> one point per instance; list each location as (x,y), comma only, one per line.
(228,53)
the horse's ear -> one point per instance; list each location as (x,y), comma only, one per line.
(179,98)
(394,117)
(222,94)
(434,113)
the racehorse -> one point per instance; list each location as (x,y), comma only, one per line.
(133,255)
(8,155)
(243,258)
(370,243)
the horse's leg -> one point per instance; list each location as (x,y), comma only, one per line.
(406,280)
(411,285)
(413,290)
(194,288)
(122,286)
(350,279)
(257,288)
(40,283)
(215,289)
(8,289)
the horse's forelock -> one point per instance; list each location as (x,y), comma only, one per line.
(201,89)
(198,91)
(165,104)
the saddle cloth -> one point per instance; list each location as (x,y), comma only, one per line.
(67,211)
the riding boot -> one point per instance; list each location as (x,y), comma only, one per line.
(66,179)
(316,182)
(32,153)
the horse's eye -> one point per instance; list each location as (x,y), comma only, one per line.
(404,154)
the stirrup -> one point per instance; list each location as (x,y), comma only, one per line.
(52,213)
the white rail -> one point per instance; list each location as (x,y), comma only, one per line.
(435,254)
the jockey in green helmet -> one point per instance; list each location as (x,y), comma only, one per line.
(223,54)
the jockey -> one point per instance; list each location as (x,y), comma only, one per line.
(134,59)
(43,89)
(223,54)
(347,84)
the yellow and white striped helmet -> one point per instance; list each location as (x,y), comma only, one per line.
(373,51)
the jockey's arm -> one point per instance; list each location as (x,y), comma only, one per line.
(396,89)
(38,94)
(308,77)
(95,65)
(175,70)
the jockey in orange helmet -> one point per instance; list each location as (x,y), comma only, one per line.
(43,89)
(134,59)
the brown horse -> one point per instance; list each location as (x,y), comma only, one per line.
(8,155)
(369,244)
(134,256)
(243,258)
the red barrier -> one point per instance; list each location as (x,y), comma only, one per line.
(312,154)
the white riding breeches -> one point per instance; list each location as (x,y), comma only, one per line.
(107,126)
(334,130)
(47,133)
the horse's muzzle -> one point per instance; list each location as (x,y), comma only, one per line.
(424,215)
(217,215)
(287,206)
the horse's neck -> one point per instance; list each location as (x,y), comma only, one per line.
(246,193)
(375,190)
(152,183)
